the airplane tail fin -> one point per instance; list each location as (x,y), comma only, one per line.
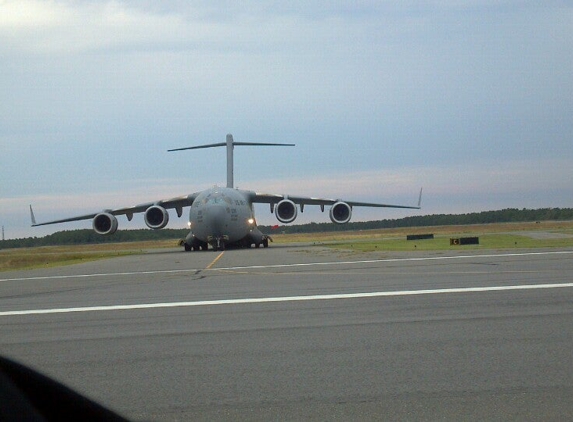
(420,199)
(230,144)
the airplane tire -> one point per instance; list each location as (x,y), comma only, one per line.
(187,247)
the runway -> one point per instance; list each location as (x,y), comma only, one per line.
(303,333)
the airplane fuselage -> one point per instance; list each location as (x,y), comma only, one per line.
(222,216)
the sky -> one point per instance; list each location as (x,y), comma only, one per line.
(471,100)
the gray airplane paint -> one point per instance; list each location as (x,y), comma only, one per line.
(222,216)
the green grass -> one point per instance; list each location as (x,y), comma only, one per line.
(25,259)
(486,241)
(52,256)
(491,237)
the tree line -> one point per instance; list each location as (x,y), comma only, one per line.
(88,236)
(509,215)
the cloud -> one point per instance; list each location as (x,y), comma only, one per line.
(72,27)
(469,99)
(58,27)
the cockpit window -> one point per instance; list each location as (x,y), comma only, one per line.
(216,198)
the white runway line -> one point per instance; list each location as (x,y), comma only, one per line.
(285,299)
(413,259)
(308,264)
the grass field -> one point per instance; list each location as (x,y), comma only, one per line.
(491,236)
(51,256)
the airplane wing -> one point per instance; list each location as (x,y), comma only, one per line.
(273,199)
(177,203)
(285,206)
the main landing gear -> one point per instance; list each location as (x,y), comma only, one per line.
(193,244)
(221,244)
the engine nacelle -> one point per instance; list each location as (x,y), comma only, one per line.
(104,223)
(340,213)
(286,211)
(156,217)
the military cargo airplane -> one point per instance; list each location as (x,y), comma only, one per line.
(221,217)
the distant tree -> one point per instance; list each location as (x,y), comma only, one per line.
(508,215)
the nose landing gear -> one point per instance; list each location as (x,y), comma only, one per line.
(218,243)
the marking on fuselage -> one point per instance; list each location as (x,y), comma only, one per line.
(288,299)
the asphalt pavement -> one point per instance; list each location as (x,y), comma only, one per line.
(303,333)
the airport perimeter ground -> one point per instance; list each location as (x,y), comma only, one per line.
(546,234)
(302,331)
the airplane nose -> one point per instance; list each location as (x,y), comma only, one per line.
(216,219)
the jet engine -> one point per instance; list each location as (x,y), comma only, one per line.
(104,223)
(156,217)
(340,213)
(286,211)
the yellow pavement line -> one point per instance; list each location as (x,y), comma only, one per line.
(215,261)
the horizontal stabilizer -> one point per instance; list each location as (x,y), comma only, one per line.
(222,144)
(230,144)
(265,144)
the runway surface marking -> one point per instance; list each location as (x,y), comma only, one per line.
(286,299)
(294,265)
(215,261)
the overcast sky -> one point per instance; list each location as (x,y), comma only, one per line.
(473,100)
